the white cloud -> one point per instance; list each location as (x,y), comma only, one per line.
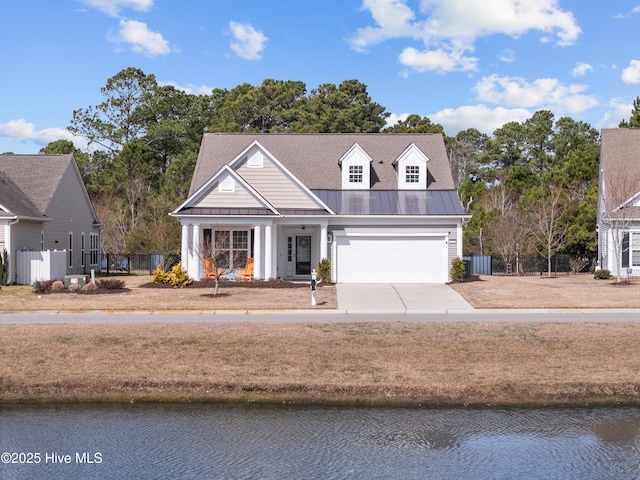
(394,19)
(440,61)
(581,69)
(113,7)
(631,74)
(507,55)
(22,131)
(141,39)
(395,118)
(247,43)
(542,93)
(190,89)
(481,117)
(448,28)
(618,111)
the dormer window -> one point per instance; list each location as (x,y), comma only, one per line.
(355,173)
(412,174)
(356,169)
(411,167)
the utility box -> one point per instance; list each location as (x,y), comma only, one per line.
(80,280)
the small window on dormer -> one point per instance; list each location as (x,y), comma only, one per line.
(412,174)
(355,174)
(227,185)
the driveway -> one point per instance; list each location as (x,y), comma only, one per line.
(400,298)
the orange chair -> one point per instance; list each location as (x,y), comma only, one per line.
(209,271)
(247,272)
(208,268)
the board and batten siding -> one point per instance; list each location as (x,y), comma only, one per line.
(276,186)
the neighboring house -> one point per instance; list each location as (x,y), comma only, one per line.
(381,207)
(619,201)
(44,206)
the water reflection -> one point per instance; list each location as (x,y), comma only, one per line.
(215,441)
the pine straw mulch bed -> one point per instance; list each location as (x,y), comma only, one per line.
(140,294)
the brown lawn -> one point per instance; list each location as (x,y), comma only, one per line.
(569,291)
(136,297)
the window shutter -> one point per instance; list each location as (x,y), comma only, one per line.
(625,250)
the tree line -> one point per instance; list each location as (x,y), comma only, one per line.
(530,186)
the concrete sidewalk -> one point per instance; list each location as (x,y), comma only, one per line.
(400,298)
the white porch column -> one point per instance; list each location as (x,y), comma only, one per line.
(184,253)
(268,252)
(195,264)
(257,253)
(459,238)
(323,241)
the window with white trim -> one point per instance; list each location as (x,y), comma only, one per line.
(42,240)
(230,246)
(355,174)
(94,246)
(70,254)
(412,174)
(635,249)
(82,249)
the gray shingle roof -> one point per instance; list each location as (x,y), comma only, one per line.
(313,158)
(14,199)
(36,176)
(620,158)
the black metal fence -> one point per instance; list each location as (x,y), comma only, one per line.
(131,263)
(538,265)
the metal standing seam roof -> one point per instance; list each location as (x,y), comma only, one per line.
(392,202)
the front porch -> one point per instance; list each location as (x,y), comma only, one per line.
(282,248)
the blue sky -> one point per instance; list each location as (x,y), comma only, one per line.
(462,63)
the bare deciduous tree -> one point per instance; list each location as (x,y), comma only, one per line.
(546,224)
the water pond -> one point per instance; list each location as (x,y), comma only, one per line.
(244,442)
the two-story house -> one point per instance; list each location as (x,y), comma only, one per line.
(382,207)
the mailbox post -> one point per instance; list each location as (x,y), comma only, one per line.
(314,286)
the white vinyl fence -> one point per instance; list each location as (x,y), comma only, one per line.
(47,265)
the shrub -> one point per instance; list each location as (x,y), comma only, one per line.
(110,284)
(179,276)
(324,270)
(160,275)
(57,286)
(4,268)
(457,271)
(89,287)
(602,274)
(74,287)
(42,286)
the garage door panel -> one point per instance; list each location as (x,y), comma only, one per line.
(391,259)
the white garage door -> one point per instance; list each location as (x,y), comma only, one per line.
(371,259)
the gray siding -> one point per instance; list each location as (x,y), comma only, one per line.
(70,211)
